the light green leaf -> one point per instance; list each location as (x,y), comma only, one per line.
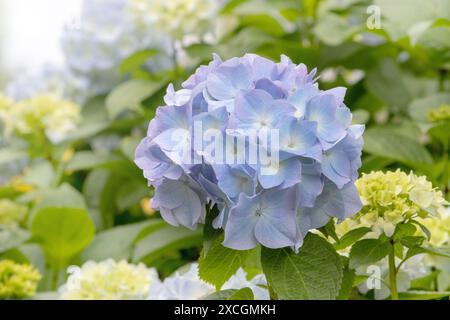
(220,263)
(62,233)
(65,196)
(386,83)
(423,295)
(333,29)
(420,107)
(85,160)
(11,237)
(389,144)
(136,60)
(117,243)
(129,95)
(368,251)
(313,273)
(164,240)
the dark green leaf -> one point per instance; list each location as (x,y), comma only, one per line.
(313,273)
(220,263)
(368,251)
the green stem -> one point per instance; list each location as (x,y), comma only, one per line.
(393,274)
(445,176)
(55,278)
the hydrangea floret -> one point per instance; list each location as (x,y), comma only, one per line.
(441,113)
(47,113)
(199,152)
(17,281)
(108,280)
(11,213)
(177,18)
(390,198)
(187,285)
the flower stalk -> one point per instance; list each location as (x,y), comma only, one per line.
(393,274)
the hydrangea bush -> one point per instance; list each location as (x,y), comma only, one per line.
(273,203)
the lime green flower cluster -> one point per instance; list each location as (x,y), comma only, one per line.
(439,228)
(390,198)
(11,213)
(46,113)
(17,281)
(108,280)
(439,114)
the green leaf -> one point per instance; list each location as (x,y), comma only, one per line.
(351,237)
(347,282)
(386,83)
(136,60)
(420,107)
(388,144)
(242,294)
(423,295)
(129,95)
(231,294)
(333,29)
(220,295)
(264,22)
(220,263)
(329,230)
(443,252)
(65,196)
(411,241)
(62,233)
(162,241)
(424,229)
(85,160)
(209,232)
(404,230)
(313,273)
(130,193)
(11,237)
(117,243)
(368,251)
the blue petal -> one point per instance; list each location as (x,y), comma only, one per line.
(239,230)
(269,86)
(300,98)
(228,79)
(311,185)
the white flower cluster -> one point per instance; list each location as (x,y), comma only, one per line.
(177,18)
(188,286)
(111,280)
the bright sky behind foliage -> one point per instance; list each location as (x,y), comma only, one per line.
(30,31)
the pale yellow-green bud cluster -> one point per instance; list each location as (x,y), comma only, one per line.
(47,113)
(17,281)
(390,198)
(108,280)
(439,228)
(178,18)
(441,113)
(11,213)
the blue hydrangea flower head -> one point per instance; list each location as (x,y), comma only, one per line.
(260,141)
